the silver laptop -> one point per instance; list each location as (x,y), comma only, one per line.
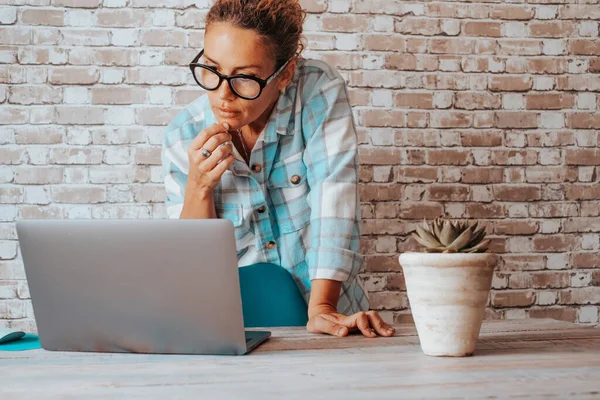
(142,286)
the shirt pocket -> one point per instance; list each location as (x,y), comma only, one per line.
(289,190)
(241,225)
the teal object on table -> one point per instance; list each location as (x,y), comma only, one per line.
(27,342)
(271,297)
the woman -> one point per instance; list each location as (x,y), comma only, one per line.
(272,147)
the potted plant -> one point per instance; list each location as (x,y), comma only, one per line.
(448,285)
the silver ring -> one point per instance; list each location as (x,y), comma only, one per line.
(205,152)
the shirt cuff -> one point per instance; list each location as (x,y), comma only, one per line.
(333,263)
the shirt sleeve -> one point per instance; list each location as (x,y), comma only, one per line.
(174,163)
(331,157)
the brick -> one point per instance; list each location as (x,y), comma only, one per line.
(515,227)
(450,119)
(77,3)
(439,192)
(547,66)
(448,157)
(79,195)
(513,298)
(482,175)
(118,95)
(163,37)
(125,18)
(482,28)
(28,95)
(585,47)
(509,119)
(73,76)
(452,46)
(76,156)
(389,300)
(522,262)
(488,138)
(558,313)
(38,175)
(420,210)
(13,115)
(414,100)
(345,23)
(80,115)
(510,83)
(586,260)
(380,42)
(11,195)
(39,135)
(579,12)
(512,12)
(584,82)
(583,120)
(11,155)
(477,101)
(382,118)
(588,295)
(554,243)
(547,174)
(418,26)
(8,15)
(43,17)
(582,225)
(589,157)
(401,62)
(552,29)
(519,47)
(517,192)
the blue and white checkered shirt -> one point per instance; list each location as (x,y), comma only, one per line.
(305,165)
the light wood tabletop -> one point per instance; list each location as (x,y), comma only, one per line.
(514,359)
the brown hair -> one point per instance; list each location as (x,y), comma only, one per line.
(279,22)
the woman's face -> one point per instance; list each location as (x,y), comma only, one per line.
(232,51)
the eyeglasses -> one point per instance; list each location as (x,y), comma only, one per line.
(244,86)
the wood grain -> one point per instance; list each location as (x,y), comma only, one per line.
(514,359)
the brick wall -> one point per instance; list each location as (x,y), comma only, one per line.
(473,109)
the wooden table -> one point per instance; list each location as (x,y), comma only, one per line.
(514,359)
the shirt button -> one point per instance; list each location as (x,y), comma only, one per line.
(256,168)
(271,245)
(295,179)
(261,209)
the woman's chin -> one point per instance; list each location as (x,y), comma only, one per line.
(233,121)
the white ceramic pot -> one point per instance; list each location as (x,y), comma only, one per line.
(448,294)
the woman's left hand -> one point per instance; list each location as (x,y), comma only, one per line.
(329,321)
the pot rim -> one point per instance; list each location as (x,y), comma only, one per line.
(448,259)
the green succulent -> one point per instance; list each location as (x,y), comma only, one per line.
(445,236)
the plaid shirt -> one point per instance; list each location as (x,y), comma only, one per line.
(304,171)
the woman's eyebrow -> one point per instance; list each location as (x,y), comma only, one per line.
(236,68)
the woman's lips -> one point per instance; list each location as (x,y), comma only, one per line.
(227,113)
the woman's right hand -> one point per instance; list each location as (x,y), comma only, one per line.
(205,173)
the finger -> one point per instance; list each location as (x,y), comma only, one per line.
(379,325)
(223,166)
(362,323)
(215,141)
(206,134)
(218,154)
(319,324)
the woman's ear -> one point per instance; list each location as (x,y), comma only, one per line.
(287,74)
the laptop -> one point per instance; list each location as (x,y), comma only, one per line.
(140,286)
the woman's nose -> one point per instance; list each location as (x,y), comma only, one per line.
(225,92)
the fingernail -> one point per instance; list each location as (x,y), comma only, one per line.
(226,125)
(341,331)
